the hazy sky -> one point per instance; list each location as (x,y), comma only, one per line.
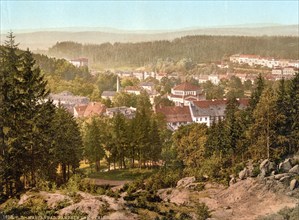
(144,15)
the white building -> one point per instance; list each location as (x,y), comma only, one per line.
(184,93)
(79,62)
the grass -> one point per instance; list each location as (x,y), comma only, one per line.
(123,174)
(118,174)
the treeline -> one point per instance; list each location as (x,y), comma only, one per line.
(198,48)
(36,138)
(60,68)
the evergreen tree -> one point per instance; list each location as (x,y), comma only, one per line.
(94,150)
(262,132)
(283,118)
(257,92)
(120,137)
(67,142)
(293,106)
(232,128)
(23,114)
(155,142)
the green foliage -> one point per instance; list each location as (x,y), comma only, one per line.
(25,134)
(202,211)
(67,142)
(190,143)
(93,142)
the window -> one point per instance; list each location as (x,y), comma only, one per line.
(206,118)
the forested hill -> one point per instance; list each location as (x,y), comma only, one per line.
(198,48)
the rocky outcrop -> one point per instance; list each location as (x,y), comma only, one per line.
(294,169)
(244,174)
(266,167)
(285,166)
(185,182)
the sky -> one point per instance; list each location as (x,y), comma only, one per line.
(144,15)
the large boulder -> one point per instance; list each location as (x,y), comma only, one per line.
(185,182)
(293,184)
(294,169)
(244,174)
(266,167)
(285,166)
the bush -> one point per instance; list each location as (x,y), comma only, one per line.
(256,170)
(202,211)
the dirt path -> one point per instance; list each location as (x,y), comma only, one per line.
(100,182)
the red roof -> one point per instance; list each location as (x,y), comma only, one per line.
(186,87)
(80,109)
(175,113)
(94,108)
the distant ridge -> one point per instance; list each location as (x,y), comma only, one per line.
(46,38)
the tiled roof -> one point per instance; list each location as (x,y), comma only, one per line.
(186,87)
(80,109)
(214,107)
(175,113)
(94,108)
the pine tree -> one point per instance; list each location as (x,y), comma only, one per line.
(257,92)
(155,142)
(262,132)
(23,114)
(293,104)
(283,118)
(120,137)
(94,150)
(232,128)
(67,142)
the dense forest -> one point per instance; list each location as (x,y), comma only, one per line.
(197,48)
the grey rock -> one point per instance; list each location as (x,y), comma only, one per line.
(294,169)
(264,164)
(281,175)
(266,167)
(293,184)
(244,174)
(185,181)
(285,166)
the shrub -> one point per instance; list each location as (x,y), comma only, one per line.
(202,211)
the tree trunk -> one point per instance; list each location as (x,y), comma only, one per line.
(97,166)
(63,169)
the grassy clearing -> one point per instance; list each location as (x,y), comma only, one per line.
(118,174)
(124,174)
